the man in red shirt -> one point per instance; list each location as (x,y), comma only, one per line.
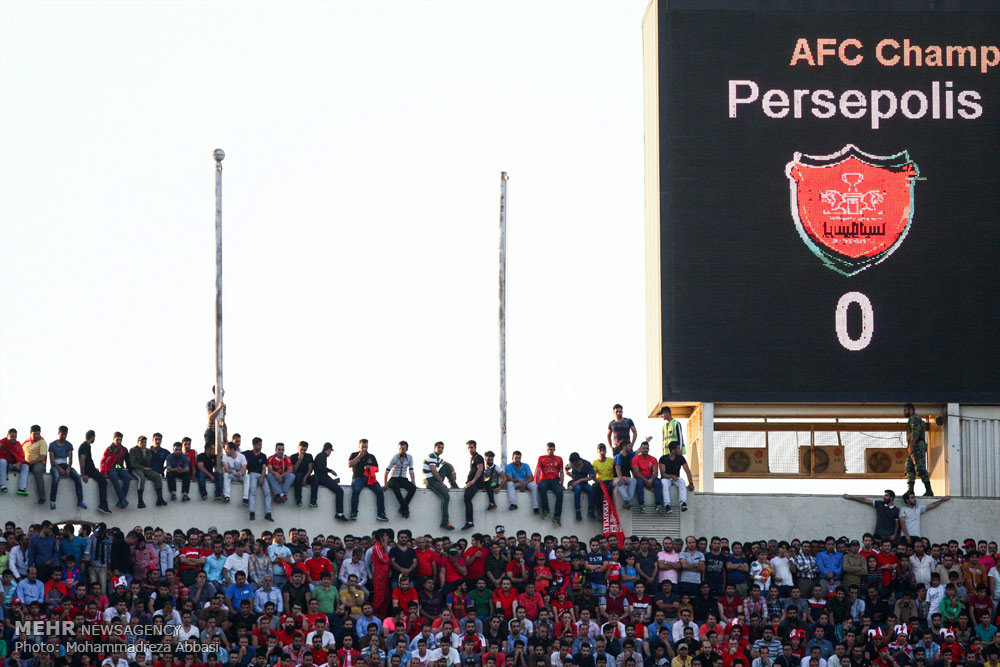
(427,562)
(530,600)
(190,559)
(279,473)
(317,564)
(12,457)
(645,469)
(403,595)
(504,598)
(887,563)
(549,475)
(475,559)
(453,570)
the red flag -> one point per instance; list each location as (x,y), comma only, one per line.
(610,523)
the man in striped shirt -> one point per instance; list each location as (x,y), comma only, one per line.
(436,471)
(395,478)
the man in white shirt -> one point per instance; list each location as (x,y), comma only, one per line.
(677,631)
(329,643)
(238,561)
(922,564)
(119,610)
(234,469)
(187,630)
(909,515)
(782,571)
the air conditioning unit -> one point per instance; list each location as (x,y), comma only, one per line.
(746,460)
(821,460)
(882,461)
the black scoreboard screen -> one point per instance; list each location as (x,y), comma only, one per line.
(829,203)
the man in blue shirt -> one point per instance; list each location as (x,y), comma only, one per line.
(178,468)
(238,592)
(830,564)
(519,478)
(214,565)
(595,564)
(61,458)
(31,589)
(43,552)
(581,474)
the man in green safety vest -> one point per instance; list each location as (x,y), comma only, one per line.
(671,432)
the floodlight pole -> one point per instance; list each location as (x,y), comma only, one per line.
(503,318)
(219,155)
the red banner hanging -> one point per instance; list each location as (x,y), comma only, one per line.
(610,523)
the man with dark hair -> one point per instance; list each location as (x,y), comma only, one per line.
(671,465)
(621,430)
(672,432)
(886,513)
(322,477)
(364,467)
(139,466)
(549,475)
(61,459)
(12,457)
(581,474)
(302,466)
(400,467)
(35,450)
(178,468)
(473,483)
(89,470)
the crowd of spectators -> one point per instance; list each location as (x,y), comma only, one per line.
(291,599)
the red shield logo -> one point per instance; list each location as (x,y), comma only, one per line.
(851,208)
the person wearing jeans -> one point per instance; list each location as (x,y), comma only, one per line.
(113,467)
(473,483)
(61,460)
(302,466)
(206,471)
(178,468)
(234,469)
(549,475)
(364,467)
(623,474)
(436,471)
(279,476)
(396,474)
(520,478)
(256,469)
(90,472)
(12,457)
(324,476)
(581,474)
(139,464)
(645,469)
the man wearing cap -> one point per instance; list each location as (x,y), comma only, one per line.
(139,458)
(61,459)
(12,458)
(916,448)
(35,451)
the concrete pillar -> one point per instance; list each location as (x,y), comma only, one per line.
(953,448)
(707,447)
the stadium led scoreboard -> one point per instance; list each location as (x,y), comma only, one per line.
(822,201)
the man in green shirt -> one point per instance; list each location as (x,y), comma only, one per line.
(326,593)
(482,599)
(672,432)
(916,447)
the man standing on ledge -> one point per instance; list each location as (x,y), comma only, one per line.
(672,432)
(916,448)
(549,475)
(621,430)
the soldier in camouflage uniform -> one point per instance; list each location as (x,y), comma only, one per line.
(916,446)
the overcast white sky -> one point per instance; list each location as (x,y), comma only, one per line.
(364,142)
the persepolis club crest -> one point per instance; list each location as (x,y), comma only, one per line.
(851,208)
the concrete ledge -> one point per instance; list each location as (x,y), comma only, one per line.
(733,515)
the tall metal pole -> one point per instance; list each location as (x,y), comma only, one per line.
(503,318)
(219,155)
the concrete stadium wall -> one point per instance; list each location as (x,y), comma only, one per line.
(750,516)
(737,516)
